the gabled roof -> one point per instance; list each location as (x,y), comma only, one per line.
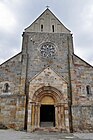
(83,61)
(59,23)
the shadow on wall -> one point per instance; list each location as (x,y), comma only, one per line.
(2,126)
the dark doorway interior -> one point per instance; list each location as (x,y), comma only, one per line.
(47,115)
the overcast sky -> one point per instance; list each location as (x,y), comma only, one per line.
(16,15)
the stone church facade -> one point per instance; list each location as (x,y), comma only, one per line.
(46,85)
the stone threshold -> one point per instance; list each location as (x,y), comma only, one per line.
(49,129)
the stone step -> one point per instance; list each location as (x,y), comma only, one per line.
(48,129)
(46,124)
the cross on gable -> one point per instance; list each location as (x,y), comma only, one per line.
(47,6)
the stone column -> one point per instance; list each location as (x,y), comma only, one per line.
(37,113)
(59,120)
(62,117)
(38,123)
(33,116)
(56,117)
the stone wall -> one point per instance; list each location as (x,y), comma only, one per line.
(10,72)
(12,105)
(84,76)
(12,110)
(82,118)
(37,63)
(82,101)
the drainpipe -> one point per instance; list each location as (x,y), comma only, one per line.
(26,107)
(69,91)
(26,87)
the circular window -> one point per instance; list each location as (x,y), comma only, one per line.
(47,50)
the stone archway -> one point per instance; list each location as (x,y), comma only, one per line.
(44,98)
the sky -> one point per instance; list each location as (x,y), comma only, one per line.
(16,15)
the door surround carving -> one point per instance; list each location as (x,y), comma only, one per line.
(55,98)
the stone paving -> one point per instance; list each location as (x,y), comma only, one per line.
(17,135)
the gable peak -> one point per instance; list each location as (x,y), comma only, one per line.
(47,22)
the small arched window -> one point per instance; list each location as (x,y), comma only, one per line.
(41,27)
(53,29)
(88,89)
(6,87)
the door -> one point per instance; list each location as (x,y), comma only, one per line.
(47,115)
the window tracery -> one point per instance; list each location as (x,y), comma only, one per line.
(47,50)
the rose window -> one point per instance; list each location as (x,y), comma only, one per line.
(47,50)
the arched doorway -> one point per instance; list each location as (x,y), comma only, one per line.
(47,112)
(47,109)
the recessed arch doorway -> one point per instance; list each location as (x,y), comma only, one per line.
(47,109)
